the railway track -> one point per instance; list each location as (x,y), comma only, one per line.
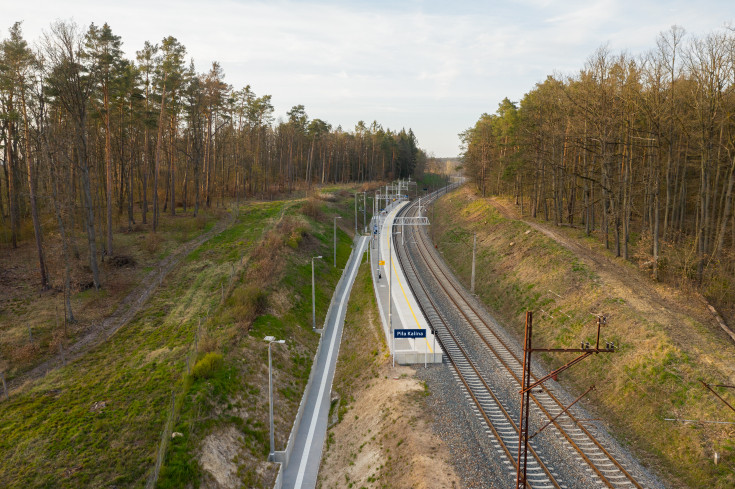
(463,318)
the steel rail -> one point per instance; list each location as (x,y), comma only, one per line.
(449,341)
(456,292)
(512,371)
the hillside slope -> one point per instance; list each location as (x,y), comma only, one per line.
(184,384)
(669,340)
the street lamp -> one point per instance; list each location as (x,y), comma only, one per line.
(335,239)
(364,211)
(271,340)
(313,294)
(474,248)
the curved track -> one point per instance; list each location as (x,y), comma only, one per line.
(465,313)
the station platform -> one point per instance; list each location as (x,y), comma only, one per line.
(404,311)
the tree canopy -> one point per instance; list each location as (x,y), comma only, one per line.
(640,151)
(93,140)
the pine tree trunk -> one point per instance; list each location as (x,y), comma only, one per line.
(158,157)
(87,193)
(34,205)
(725,212)
(68,313)
(656,214)
(172,174)
(207,162)
(12,192)
(108,167)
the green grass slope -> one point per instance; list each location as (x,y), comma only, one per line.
(667,341)
(193,355)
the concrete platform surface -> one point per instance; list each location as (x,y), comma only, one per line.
(404,311)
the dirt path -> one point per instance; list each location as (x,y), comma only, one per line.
(132,303)
(661,303)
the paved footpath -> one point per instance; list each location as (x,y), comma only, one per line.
(303,465)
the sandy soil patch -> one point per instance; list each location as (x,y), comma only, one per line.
(385,439)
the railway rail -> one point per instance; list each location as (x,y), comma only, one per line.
(601,465)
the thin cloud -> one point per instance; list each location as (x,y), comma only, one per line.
(429,65)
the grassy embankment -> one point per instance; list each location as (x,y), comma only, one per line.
(224,415)
(32,326)
(667,341)
(98,421)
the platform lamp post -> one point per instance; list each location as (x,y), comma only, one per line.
(313,294)
(271,340)
(335,239)
(474,249)
(356,212)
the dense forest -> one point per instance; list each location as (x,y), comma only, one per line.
(638,151)
(92,141)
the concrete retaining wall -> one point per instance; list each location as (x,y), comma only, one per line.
(283,457)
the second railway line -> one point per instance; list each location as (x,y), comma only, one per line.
(486,361)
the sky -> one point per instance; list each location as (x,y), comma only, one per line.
(433,66)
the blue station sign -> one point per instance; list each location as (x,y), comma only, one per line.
(409,333)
